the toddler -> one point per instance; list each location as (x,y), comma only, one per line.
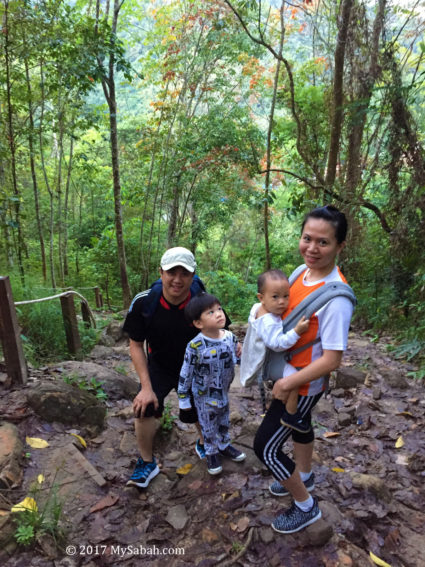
(207,372)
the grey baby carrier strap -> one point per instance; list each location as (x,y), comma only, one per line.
(275,361)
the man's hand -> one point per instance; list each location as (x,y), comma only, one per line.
(238,350)
(145,397)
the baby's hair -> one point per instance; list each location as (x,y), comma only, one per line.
(273,275)
(198,304)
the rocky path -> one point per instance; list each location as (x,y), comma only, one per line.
(369,467)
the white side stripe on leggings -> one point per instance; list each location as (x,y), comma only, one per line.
(275,443)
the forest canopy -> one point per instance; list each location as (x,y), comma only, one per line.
(131,126)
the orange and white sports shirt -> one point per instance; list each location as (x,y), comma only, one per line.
(331,323)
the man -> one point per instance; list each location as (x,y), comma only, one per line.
(157,316)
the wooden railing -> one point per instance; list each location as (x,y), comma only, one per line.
(10,332)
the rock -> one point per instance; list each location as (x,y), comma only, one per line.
(101,351)
(112,334)
(344,419)
(235,417)
(338,393)
(318,533)
(376,393)
(351,410)
(7,530)
(349,378)
(67,404)
(177,517)
(128,443)
(118,386)
(334,517)
(114,330)
(372,483)
(11,451)
(395,380)
(106,340)
(266,535)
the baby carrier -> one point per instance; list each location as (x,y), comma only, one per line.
(274,362)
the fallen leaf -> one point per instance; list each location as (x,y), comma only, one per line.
(26,504)
(80,439)
(378,561)
(109,500)
(195,485)
(338,469)
(331,434)
(184,469)
(405,413)
(392,541)
(40,479)
(399,443)
(233,526)
(36,443)
(243,523)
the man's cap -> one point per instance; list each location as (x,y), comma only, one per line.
(178,256)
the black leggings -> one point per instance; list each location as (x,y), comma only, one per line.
(271,435)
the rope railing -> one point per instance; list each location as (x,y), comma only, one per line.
(64,294)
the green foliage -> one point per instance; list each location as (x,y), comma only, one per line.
(43,332)
(235,295)
(408,349)
(25,534)
(167,419)
(90,385)
(44,518)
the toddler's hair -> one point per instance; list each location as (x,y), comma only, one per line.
(198,304)
(273,275)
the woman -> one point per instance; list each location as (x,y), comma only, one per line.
(322,238)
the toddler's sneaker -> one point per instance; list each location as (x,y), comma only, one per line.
(278,490)
(295,519)
(295,421)
(143,473)
(214,464)
(200,449)
(233,453)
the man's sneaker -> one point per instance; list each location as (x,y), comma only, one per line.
(295,519)
(143,473)
(278,490)
(200,449)
(295,421)
(214,464)
(233,453)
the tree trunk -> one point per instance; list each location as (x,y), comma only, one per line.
(34,176)
(12,142)
(108,84)
(46,180)
(338,94)
(65,209)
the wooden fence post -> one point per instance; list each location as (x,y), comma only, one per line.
(85,313)
(71,325)
(10,334)
(99,299)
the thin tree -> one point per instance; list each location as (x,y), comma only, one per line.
(108,85)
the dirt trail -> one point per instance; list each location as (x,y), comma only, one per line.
(194,519)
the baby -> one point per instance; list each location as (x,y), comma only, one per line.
(265,325)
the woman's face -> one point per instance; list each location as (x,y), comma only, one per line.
(319,246)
